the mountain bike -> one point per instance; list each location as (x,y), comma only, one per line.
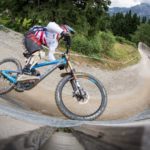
(79,96)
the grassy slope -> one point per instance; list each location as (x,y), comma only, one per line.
(122,55)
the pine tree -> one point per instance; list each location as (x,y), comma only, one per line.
(144,20)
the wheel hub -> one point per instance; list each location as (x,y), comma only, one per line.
(82,97)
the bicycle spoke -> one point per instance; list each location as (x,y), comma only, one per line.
(11,66)
(87,102)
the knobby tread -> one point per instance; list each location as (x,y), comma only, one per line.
(68,113)
(19,69)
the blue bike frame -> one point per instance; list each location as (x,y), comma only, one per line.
(55,63)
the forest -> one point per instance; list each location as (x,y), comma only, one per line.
(96,30)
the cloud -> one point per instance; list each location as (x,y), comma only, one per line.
(127,3)
(144,1)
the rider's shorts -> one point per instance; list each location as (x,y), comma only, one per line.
(32,44)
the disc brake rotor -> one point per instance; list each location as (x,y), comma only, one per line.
(85,100)
(82,100)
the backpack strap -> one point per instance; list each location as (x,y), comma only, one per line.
(35,29)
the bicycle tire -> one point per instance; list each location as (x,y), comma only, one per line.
(68,113)
(17,64)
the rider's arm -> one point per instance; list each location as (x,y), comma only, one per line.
(53,27)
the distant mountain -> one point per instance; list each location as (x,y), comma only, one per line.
(141,10)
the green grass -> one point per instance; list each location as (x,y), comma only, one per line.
(123,52)
(122,55)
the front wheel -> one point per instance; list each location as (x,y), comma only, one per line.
(81,99)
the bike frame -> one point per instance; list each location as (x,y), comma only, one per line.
(56,63)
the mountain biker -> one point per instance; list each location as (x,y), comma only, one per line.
(33,41)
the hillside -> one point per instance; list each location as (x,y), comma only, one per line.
(121,55)
(141,10)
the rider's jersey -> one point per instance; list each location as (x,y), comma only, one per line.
(46,37)
(50,35)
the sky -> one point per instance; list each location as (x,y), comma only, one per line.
(127,3)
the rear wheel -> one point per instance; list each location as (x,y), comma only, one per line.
(14,68)
(87,103)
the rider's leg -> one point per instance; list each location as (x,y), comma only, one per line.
(51,56)
(52,49)
(31,61)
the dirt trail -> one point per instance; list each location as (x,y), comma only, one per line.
(128,89)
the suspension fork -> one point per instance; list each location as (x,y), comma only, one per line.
(73,81)
(71,69)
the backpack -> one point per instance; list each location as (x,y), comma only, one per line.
(35,28)
(32,30)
